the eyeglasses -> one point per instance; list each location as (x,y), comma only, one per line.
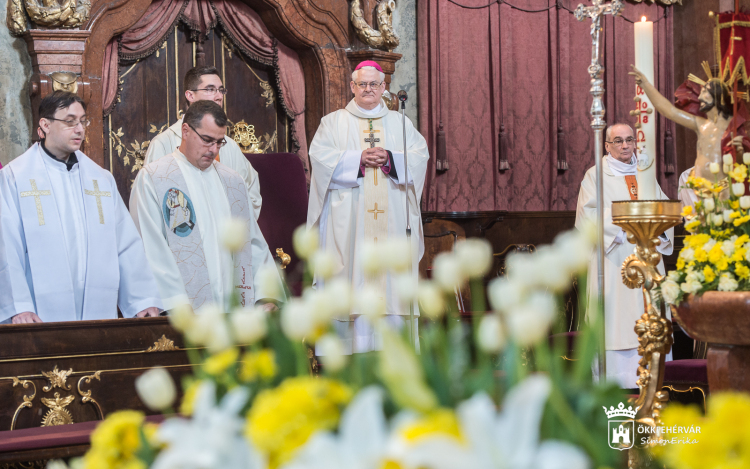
(208,141)
(372,85)
(71,123)
(618,141)
(212,90)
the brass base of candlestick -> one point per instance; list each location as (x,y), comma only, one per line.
(644,221)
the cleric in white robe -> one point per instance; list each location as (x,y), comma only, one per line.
(67,243)
(204,83)
(180,205)
(622,306)
(359,189)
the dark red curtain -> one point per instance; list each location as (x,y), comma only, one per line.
(521,66)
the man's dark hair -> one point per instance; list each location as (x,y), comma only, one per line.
(193,76)
(58,100)
(195,113)
(722,99)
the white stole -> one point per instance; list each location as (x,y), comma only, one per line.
(48,257)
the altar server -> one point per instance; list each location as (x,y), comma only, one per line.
(68,247)
(181,203)
(359,189)
(204,83)
(622,306)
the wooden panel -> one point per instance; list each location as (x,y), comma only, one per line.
(152,98)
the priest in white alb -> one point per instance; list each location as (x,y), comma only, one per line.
(68,247)
(204,83)
(359,190)
(181,204)
(622,306)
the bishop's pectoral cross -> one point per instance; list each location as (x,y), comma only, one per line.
(98,194)
(372,141)
(37,195)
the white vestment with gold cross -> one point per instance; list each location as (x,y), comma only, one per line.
(342,206)
(68,247)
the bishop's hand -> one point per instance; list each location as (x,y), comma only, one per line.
(374,157)
(26,318)
(151,312)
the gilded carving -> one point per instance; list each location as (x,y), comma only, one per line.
(86,395)
(27,399)
(162,345)
(58,414)
(267,93)
(138,151)
(384,38)
(244,134)
(57,379)
(64,81)
(49,13)
(284,257)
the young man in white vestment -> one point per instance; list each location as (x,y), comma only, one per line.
(204,83)
(68,247)
(359,190)
(181,203)
(622,306)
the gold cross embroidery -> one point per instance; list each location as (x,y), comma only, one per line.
(375,211)
(96,193)
(36,194)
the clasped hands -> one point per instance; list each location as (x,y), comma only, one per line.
(374,157)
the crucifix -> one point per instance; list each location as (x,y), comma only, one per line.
(372,140)
(37,195)
(98,194)
(375,211)
(595,12)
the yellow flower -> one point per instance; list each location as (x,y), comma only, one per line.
(741,241)
(741,270)
(692,226)
(437,422)
(258,364)
(696,241)
(282,419)
(739,254)
(722,264)
(218,363)
(709,274)
(188,400)
(739,173)
(735,204)
(715,254)
(115,442)
(680,263)
(741,220)
(687,211)
(700,255)
(697,183)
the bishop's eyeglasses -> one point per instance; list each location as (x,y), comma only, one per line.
(618,141)
(212,90)
(372,85)
(72,123)
(208,141)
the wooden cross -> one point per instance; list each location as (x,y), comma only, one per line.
(37,195)
(98,194)
(375,211)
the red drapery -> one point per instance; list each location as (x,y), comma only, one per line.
(493,67)
(244,28)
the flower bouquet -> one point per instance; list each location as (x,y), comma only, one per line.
(491,394)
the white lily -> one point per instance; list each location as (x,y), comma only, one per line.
(212,438)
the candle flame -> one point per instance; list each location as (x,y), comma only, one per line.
(643,19)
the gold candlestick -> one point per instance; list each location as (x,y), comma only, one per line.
(644,221)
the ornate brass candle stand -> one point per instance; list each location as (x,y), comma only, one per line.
(644,221)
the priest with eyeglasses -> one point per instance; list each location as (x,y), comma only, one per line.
(68,248)
(622,305)
(181,204)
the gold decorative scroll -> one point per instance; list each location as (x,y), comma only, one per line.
(86,395)
(138,152)
(384,38)
(27,399)
(244,134)
(57,379)
(48,13)
(58,414)
(162,345)
(283,257)
(64,81)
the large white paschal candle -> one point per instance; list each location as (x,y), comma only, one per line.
(646,131)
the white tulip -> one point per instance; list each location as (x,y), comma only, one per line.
(691,286)
(371,302)
(446,271)
(406,286)
(199,332)
(714,168)
(529,323)
(727,159)
(396,254)
(156,389)
(727,247)
(491,337)
(431,300)
(338,292)
(305,242)
(553,271)
(718,219)
(575,248)
(688,254)
(505,294)
(746,158)
(670,290)
(674,275)
(727,216)
(330,349)
(474,257)
(738,189)
(234,234)
(182,317)
(269,282)
(521,266)
(248,324)
(708,204)
(296,320)
(220,338)
(727,282)
(316,302)
(323,264)
(745,201)
(371,257)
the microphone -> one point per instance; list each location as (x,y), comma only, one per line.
(402,96)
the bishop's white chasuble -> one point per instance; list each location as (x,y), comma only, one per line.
(69,247)
(180,211)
